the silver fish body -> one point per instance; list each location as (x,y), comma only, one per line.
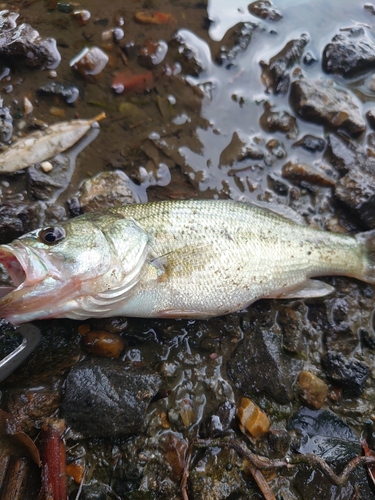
(174,259)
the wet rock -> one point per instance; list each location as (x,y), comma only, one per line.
(314,389)
(238,150)
(319,101)
(311,143)
(278,441)
(278,121)
(370,115)
(90,61)
(238,43)
(323,434)
(68,92)
(357,190)
(33,405)
(216,477)
(16,220)
(252,419)
(95,491)
(344,153)
(277,185)
(219,421)
(276,148)
(6,124)
(107,189)
(350,375)
(279,65)
(259,365)
(108,398)
(47,185)
(24,41)
(301,174)
(293,323)
(265,10)
(103,344)
(350,52)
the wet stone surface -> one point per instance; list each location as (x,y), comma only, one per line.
(116,395)
(265,102)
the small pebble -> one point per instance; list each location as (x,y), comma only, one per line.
(52,73)
(55,111)
(76,472)
(103,344)
(252,418)
(46,166)
(27,106)
(314,389)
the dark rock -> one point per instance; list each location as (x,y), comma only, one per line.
(357,190)
(370,115)
(344,153)
(301,174)
(216,476)
(311,143)
(6,124)
(16,220)
(319,101)
(278,441)
(279,65)
(265,10)
(350,375)
(68,92)
(276,148)
(219,421)
(370,7)
(238,43)
(95,491)
(238,150)
(323,434)
(367,338)
(292,322)
(108,398)
(25,41)
(47,185)
(259,365)
(278,121)
(350,52)
(309,59)
(277,185)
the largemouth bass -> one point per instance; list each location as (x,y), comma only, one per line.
(175,259)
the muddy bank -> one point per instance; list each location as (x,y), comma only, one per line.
(266,103)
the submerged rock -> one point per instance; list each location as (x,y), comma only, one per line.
(259,365)
(6,124)
(46,185)
(350,52)
(238,150)
(320,102)
(25,41)
(108,398)
(301,174)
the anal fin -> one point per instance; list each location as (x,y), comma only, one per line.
(308,290)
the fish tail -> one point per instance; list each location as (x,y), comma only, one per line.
(367,246)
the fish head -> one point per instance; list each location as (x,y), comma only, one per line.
(55,268)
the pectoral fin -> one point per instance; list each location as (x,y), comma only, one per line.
(308,290)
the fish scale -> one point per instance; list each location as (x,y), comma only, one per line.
(174,259)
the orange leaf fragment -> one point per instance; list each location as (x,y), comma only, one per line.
(154,18)
(75,471)
(127,81)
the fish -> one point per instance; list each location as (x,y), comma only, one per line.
(174,259)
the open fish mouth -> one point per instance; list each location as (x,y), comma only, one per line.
(13,266)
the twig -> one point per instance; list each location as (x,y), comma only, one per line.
(261,482)
(264,463)
(185,473)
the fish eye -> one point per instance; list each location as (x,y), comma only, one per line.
(52,235)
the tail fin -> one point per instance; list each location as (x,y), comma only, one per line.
(367,245)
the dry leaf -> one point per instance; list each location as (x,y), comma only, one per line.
(44,144)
